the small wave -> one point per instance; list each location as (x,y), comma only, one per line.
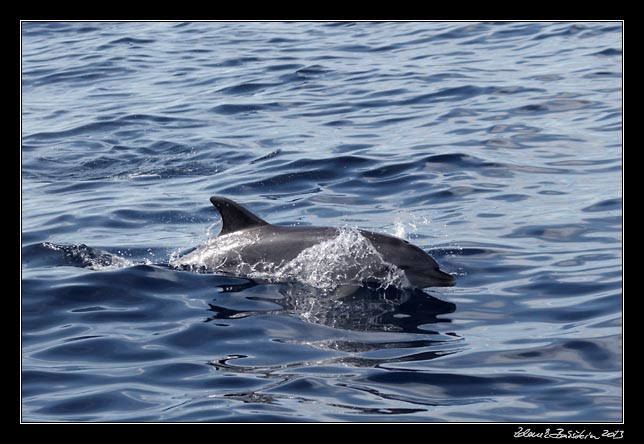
(245,88)
(312,71)
(568,30)
(608,52)
(552,106)
(131,41)
(234,108)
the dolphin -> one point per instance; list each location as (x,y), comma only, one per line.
(326,257)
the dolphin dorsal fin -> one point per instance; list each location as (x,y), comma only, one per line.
(235,217)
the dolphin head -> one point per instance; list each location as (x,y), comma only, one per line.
(419,267)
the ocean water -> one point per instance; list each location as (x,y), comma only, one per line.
(496,147)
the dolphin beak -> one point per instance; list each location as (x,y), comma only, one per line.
(447,280)
(431,278)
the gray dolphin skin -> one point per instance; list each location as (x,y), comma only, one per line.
(248,244)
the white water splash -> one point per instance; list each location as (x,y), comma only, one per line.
(400,229)
(347,258)
(407,227)
(216,254)
(94,259)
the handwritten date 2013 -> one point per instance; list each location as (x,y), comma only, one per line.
(568,434)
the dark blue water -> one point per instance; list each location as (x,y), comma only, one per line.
(495,146)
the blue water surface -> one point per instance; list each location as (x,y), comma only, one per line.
(497,147)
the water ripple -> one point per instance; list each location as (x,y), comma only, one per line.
(496,147)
